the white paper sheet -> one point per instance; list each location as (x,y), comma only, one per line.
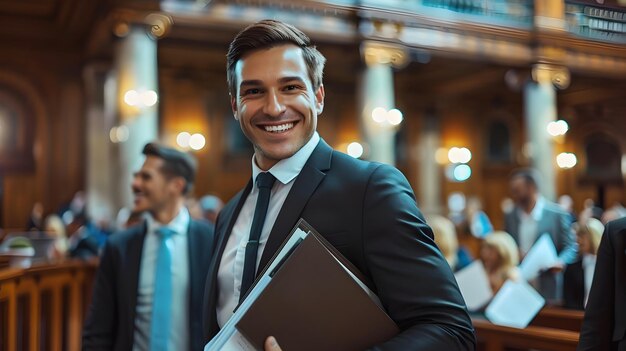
(474,285)
(540,257)
(515,305)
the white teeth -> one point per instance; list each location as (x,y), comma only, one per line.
(279,128)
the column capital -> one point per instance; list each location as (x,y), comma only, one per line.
(384,53)
(559,76)
(157,25)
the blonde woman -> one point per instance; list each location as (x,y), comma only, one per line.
(446,239)
(54,226)
(578,275)
(500,256)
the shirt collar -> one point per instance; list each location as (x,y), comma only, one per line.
(287,169)
(535,213)
(538,209)
(179,224)
(589,260)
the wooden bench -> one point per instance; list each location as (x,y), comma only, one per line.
(559,318)
(43,307)
(493,337)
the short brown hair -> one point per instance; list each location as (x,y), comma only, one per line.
(177,163)
(269,33)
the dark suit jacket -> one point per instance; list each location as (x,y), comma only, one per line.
(558,224)
(368,212)
(605,316)
(574,286)
(111,315)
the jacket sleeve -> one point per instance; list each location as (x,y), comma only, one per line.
(99,330)
(415,284)
(567,241)
(597,329)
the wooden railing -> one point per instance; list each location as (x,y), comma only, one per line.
(559,318)
(43,307)
(493,337)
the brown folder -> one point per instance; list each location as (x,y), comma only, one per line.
(313,303)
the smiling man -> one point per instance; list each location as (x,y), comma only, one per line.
(151,276)
(366,210)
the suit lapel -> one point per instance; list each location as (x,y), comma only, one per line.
(305,184)
(135,251)
(225,223)
(230,219)
(194,257)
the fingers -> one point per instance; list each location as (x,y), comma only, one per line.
(271,344)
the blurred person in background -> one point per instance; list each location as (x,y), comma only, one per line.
(533,216)
(151,278)
(567,204)
(500,257)
(55,228)
(193,206)
(447,241)
(477,220)
(35,220)
(578,276)
(211,206)
(614,212)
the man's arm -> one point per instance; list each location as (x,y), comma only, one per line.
(415,284)
(597,329)
(568,251)
(100,325)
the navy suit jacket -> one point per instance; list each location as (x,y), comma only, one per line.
(110,320)
(604,324)
(369,213)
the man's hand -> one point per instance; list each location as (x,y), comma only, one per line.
(271,344)
(559,267)
(556,268)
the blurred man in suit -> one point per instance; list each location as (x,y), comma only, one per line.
(532,216)
(366,210)
(604,326)
(151,276)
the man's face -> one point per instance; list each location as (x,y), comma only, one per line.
(521,191)
(153,190)
(275,103)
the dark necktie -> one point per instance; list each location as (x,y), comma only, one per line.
(264,182)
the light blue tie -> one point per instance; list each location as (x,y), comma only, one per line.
(162,298)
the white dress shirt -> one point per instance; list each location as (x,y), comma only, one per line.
(589,265)
(231,265)
(178,338)
(528,225)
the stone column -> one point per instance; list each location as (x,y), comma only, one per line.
(136,69)
(116,130)
(539,110)
(377,91)
(99,162)
(550,14)
(429,185)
